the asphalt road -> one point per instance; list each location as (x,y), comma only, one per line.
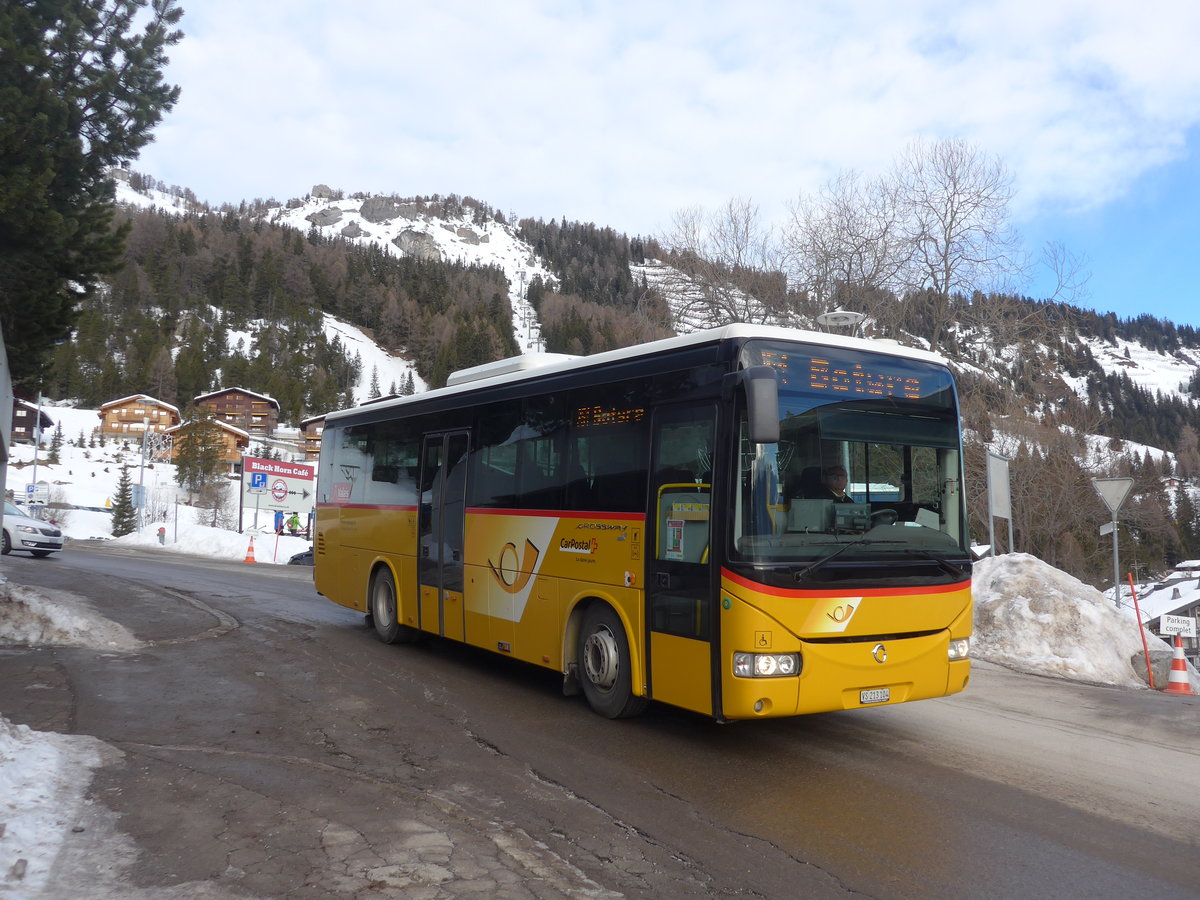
(269,746)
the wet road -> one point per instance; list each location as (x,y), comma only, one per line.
(272,747)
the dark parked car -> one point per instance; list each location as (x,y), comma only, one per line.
(303,558)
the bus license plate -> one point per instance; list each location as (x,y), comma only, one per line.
(876,695)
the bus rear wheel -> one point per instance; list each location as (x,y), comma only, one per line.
(384,610)
(605,668)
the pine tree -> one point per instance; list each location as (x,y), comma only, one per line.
(198,455)
(56,442)
(124,516)
(81,92)
(1187,523)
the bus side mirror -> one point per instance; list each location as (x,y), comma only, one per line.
(762,403)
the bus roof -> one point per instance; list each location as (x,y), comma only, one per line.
(517,369)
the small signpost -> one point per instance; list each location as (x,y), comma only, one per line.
(1113,492)
(999,497)
(1184,626)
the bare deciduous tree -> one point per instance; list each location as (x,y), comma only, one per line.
(1070,273)
(845,246)
(955,200)
(726,264)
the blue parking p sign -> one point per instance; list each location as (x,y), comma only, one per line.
(258,481)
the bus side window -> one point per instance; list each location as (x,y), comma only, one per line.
(682,491)
(605,471)
(492,482)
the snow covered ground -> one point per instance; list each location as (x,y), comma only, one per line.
(44,776)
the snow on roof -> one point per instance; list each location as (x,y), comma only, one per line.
(241,390)
(33,408)
(1168,597)
(144,398)
(225,425)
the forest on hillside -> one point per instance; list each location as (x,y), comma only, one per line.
(162,325)
(596,304)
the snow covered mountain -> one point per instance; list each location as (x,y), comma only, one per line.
(409,228)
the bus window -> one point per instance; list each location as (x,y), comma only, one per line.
(683,487)
(518,459)
(608,450)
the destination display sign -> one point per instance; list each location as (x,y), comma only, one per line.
(589,416)
(868,377)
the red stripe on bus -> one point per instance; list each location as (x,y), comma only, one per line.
(556,513)
(845,592)
(363,506)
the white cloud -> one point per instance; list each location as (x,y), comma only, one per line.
(623,113)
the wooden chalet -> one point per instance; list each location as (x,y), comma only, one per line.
(128,416)
(311,430)
(234,442)
(256,414)
(25,419)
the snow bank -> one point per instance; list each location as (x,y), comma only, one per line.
(43,777)
(27,616)
(1034,618)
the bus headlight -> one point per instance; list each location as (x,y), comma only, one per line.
(766,665)
(960,648)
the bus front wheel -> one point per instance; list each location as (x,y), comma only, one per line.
(605,670)
(384,610)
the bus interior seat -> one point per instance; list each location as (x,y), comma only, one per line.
(810,485)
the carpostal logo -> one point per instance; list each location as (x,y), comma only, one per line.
(513,573)
(579,545)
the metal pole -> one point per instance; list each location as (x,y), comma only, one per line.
(1116,566)
(991,517)
(142,474)
(37,440)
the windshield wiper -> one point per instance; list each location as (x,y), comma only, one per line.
(944,564)
(813,566)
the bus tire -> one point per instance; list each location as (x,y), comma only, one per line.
(384,610)
(605,668)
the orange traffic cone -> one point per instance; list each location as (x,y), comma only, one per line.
(1177,682)
(250,551)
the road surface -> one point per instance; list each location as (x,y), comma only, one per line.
(269,746)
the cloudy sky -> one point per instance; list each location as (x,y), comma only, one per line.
(623,113)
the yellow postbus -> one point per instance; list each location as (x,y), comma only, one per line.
(745,522)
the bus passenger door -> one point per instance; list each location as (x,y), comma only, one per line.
(441,521)
(679,588)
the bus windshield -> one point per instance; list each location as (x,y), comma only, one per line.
(867,471)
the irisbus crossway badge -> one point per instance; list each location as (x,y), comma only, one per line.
(879,653)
